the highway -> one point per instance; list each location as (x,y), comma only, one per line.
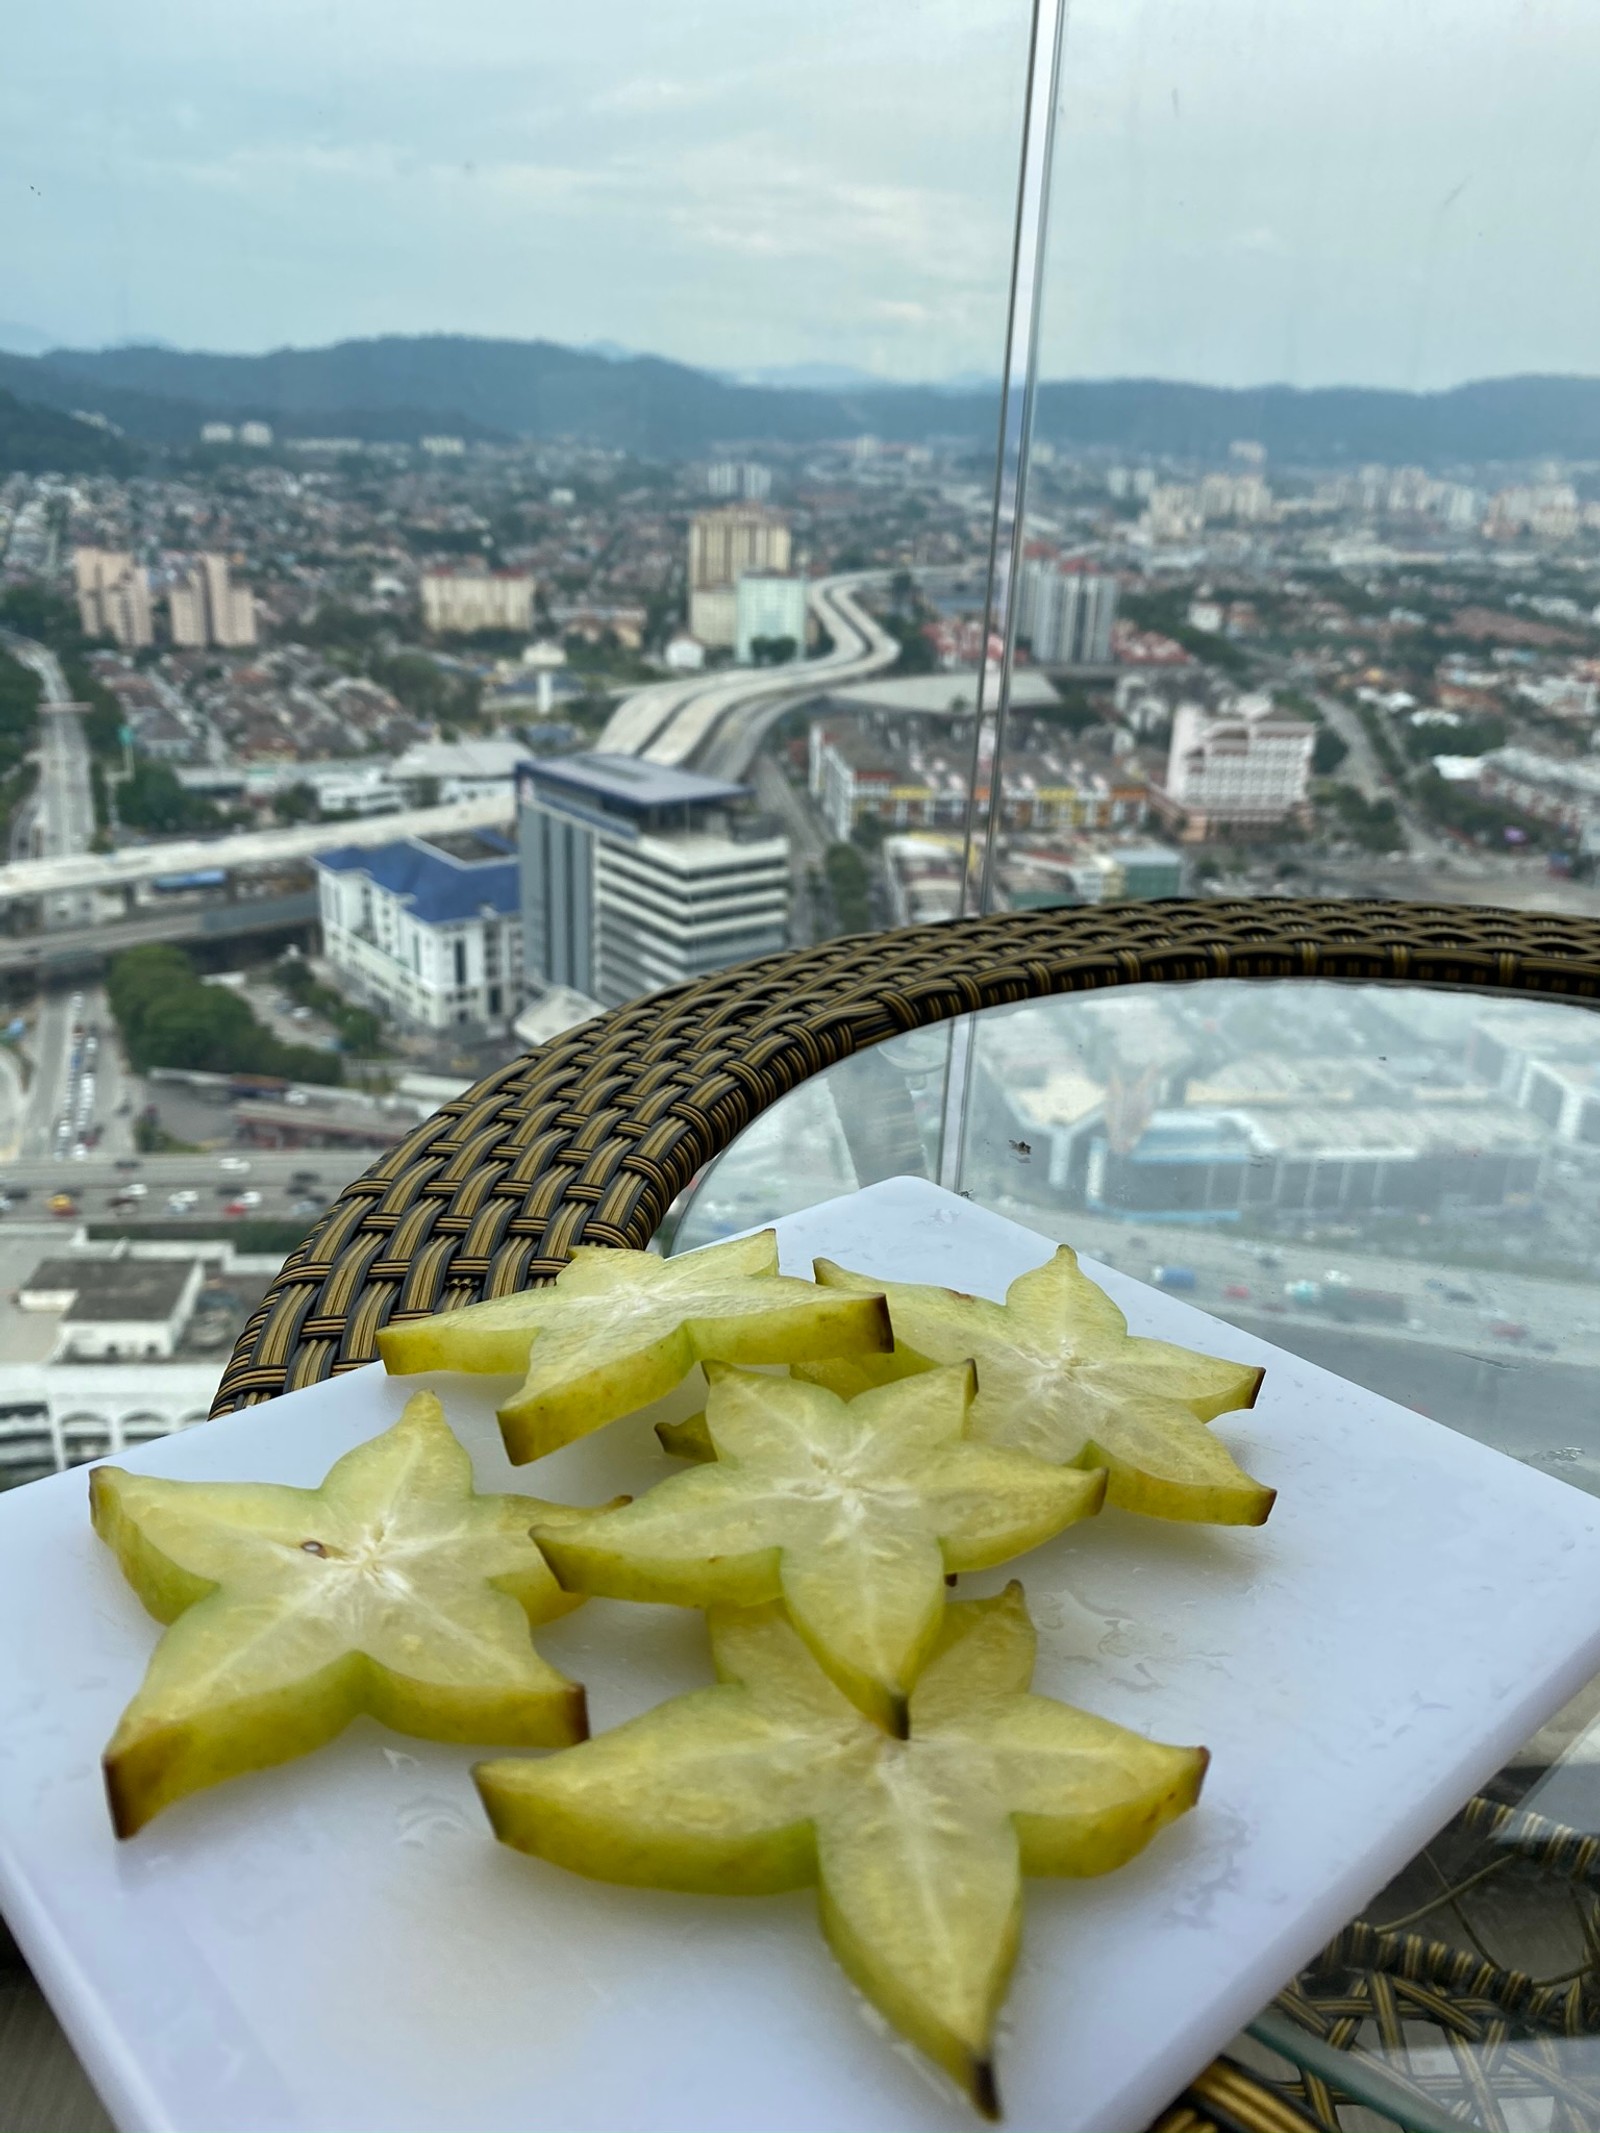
(283,1177)
(84,948)
(706,719)
(53,877)
(61,813)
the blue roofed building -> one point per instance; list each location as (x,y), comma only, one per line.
(428,930)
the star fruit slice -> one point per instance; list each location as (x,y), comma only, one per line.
(850,1513)
(1060,1376)
(773,1780)
(618,1329)
(394,1589)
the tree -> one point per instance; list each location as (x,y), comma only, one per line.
(296,803)
(1328,751)
(772,651)
(152,799)
(169,1018)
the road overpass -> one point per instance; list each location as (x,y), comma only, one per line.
(249,849)
(681,722)
(72,950)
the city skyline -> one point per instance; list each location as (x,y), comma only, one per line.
(1239,199)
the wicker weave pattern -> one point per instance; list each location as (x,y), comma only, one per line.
(589,1139)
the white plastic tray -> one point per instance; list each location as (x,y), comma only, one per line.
(340,1943)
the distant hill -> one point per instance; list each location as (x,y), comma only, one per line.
(41,440)
(403,386)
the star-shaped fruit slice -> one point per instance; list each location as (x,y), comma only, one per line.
(617,1329)
(1060,1376)
(773,1780)
(849,1512)
(394,1589)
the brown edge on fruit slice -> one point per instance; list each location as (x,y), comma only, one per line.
(984,2089)
(577,1705)
(1245,1405)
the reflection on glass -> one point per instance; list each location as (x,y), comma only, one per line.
(1398,1184)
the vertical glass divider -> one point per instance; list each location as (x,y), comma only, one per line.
(1007,527)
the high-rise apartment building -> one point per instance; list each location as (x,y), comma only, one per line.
(723,547)
(205,607)
(739,477)
(458,602)
(1065,610)
(636,876)
(113,597)
(768,608)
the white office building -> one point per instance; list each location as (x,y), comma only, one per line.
(428,930)
(768,607)
(1244,769)
(636,876)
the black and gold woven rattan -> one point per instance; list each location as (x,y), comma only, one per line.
(589,1139)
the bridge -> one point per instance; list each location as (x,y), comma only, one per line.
(253,849)
(75,950)
(679,722)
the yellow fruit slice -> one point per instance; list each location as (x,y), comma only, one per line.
(1060,1376)
(618,1329)
(773,1780)
(851,1513)
(394,1589)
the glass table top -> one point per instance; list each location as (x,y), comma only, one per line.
(1402,1185)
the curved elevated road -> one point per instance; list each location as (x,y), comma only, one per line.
(719,717)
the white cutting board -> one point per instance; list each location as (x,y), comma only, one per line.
(340,1943)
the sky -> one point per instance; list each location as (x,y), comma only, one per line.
(1386,192)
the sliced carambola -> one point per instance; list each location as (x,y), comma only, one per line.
(617,1329)
(1060,1376)
(393,1589)
(850,1512)
(773,1780)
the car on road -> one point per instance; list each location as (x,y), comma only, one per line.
(235,1165)
(179,1203)
(304,1177)
(306,1207)
(126,1162)
(135,1189)
(1237,1292)
(5,1203)
(1508,1329)
(242,1203)
(297,1097)
(62,1203)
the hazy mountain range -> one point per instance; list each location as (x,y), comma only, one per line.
(404,386)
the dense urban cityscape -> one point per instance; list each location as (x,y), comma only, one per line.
(334,771)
